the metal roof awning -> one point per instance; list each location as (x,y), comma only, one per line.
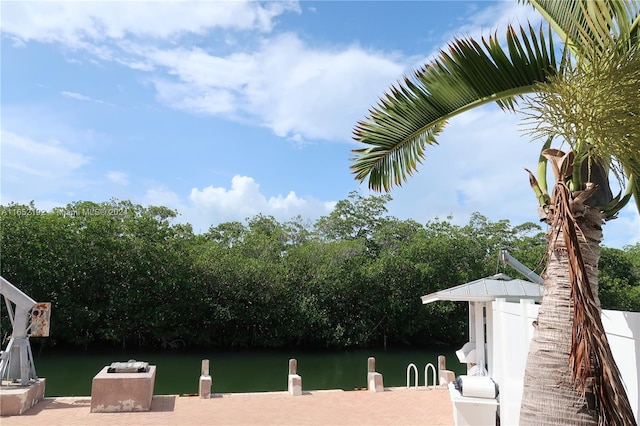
(488,289)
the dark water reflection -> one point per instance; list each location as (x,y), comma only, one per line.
(70,374)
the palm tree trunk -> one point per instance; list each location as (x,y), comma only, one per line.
(550,396)
(571,377)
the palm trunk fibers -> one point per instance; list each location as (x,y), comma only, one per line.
(571,377)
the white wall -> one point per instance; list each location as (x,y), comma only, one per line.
(512,332)
(623,333)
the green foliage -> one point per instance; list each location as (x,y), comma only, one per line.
(124,275)
(619,278)
(353,218)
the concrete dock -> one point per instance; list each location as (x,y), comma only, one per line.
(394,406)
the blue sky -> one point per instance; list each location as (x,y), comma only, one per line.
(226,109)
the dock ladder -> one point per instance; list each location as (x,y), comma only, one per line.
(412,367)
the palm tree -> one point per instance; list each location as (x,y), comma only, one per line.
(588,100)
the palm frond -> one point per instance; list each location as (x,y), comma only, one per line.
(597,23)
(632,167)
(595,109)
(470,74)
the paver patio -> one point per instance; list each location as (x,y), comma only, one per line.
(395,406)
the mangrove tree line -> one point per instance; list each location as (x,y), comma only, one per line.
(120,274)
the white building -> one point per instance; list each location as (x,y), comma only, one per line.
(501,312)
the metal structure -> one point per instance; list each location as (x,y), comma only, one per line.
(507,259)
(488,289)
(28,318)
(414,368)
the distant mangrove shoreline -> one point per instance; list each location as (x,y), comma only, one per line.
(351,279)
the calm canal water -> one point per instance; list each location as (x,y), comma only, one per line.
(70,374)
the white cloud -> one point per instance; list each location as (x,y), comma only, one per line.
(197,67)
(43,160)
(32,167)
(190,98)
(287,204)
(296,90)
(119,178)
(285,85)
(318,93)
(159,195)
(210,206)
(77,24)
(81,97)
(280,83)
(76,96)
(243,198)
(213,205)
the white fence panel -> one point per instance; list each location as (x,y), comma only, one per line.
(623,333)
(512,332)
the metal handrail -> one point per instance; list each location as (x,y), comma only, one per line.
(413,367)
(426,375)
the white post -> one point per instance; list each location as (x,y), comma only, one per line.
(490,336)
(479,333)
(205,380)
(294,381)
(472,321)
(374,379)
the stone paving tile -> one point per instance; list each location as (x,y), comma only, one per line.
(395,406)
